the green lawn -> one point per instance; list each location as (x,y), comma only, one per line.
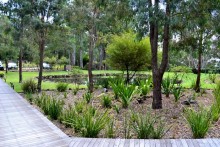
(187,78)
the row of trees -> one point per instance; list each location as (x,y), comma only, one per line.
(79,27)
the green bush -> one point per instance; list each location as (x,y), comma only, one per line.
(29,97)
(147,126)
(104,82)
(67,117)
(29,86)
(110,129)
(125,94)
(215,112)
(50,106)
(145,86)
(181,69)
(87,96)
(116,83)
(168,84)
(61,87)
(177,93)
(212,77)
(2,75)
(199,121)
(106,101)
(76,89)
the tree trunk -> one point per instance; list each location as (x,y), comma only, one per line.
(158,71)
(127,79)
(81,53)
(6,66)
(197,87)
(90,64)
(157,97)
(74,56)
(20,66)
(100,58)
(41,53)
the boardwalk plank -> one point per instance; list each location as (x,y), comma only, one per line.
(117,142)
(147,143)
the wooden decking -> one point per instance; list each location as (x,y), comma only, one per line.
(21,125)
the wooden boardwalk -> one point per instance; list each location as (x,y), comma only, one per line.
(21,125)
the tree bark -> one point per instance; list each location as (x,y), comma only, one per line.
(158,72)
(197,87)
(6,66)
(41,53)
(74,55)
(20,65)
(90,63)
(81,53)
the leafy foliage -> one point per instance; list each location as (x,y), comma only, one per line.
(87,96)
(106,101)
(125,93)
(51,106)
(168,84)
(29,86)
(177,93)
(126,53)
(61,87)
(199,122)
(145,86)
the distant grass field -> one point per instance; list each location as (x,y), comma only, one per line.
(187,78)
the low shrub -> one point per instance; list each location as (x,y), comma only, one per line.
(2,75)
(87,96)
(76,89)
(145,86)
(116,108)
(168,84)
(212,77)
(109,131)
(215,112)
(116,84)
(29,86)
(104,82)
(62,87)
(177,93)
(184,69)
(125,93)
(29,97)
(147,126)
(106,101)
(199,121)
(50,106)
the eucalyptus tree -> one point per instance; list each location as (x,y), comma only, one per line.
(196,29)
(7,48)
(44,15)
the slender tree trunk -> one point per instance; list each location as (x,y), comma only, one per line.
(158,71)
(100,58)
(127,79)
(81,53)
(20,65)
(41,53)
(90,64)
(197,87)
(6,66)
(74,56)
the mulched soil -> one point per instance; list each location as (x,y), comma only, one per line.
(171,114)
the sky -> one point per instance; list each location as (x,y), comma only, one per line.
(4,1)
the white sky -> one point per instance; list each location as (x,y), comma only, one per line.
(4,1)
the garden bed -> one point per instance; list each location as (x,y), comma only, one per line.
(172,114)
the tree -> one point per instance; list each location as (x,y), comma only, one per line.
(7,50)
(44,15)
(126,53)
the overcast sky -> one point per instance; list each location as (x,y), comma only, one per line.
(3,1)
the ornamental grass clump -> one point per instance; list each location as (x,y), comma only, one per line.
(62,87)
(50,106)
(146,126)
(145,86)
(168,84)
(115,85)
(177,91)
(125,94)
(29,86)
(106,101)
(199,121)
(87,96)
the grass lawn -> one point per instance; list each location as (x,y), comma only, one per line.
(187,78)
